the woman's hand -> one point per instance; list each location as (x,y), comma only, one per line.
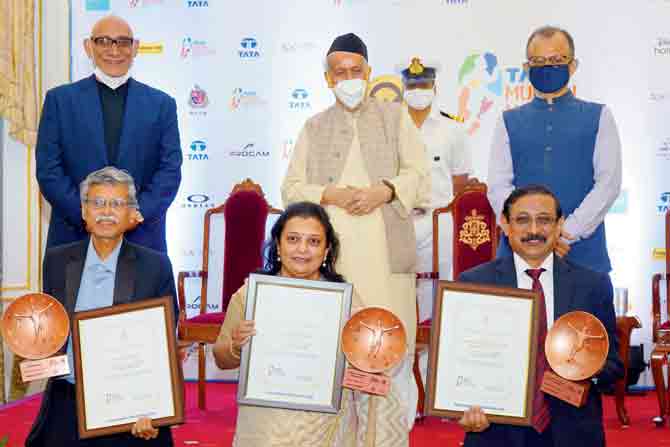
(144,429)
(474,420)
(241,335)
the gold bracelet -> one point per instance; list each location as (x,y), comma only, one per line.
(235,355)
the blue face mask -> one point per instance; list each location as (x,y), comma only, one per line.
(549,78)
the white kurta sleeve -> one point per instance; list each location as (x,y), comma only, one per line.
(501,169)
(607,176)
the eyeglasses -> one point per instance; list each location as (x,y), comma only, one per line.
(540,221)
(540,61)
(99,203)
(107,42)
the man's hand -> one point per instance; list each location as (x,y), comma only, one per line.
(340,197)
(474,420)
(366,200)
(144,429)
(562,247)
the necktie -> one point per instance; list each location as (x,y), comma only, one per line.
(541,415)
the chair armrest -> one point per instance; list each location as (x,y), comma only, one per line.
(181,297)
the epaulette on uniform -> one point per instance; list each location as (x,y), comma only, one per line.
(452,117)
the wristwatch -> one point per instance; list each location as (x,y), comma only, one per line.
(390,186)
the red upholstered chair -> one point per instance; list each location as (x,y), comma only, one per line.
(245,213)
(474,242)
(661,332)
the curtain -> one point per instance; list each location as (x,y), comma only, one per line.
(18,92)
(19,108)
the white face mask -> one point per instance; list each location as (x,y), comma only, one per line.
(112,82)
(419,98)
(350,92)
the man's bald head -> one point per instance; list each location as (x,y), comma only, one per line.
(112,46)
(111,23)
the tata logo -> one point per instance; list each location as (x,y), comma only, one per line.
(198,201)
(197,3)
(198,148)
(195,305)
(663,202)
(299,100)
(249,48)
(249,151)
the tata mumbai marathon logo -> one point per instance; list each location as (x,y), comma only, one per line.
(484,84)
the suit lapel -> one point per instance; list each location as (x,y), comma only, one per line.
(564,287)
(73,270)
(91,108)
(505,272)
(131,119)
(124,282)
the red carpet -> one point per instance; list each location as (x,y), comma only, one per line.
(215,427)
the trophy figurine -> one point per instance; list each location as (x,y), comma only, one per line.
(373,340)
(36,326)
(576,347)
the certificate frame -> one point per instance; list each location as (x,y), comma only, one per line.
(337,360)
(165,328)
(493,295)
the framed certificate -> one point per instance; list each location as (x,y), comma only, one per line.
(482,352)
(295,360)
(127,367)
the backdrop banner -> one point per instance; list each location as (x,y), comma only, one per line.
(246,76)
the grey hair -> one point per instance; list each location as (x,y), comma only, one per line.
(548,32)
(109,175)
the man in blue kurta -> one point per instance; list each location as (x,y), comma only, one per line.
(109,119)
(567,144)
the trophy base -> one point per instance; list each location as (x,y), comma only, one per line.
(574,393)
(366,382)
(44,368)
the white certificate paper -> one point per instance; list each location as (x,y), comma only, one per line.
(479,359)
(294,361)
(125,367)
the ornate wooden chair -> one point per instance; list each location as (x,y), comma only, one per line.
(244,215)
(474,242)
(661,332)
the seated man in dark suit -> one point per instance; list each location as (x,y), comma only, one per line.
(101,271)
(532,220)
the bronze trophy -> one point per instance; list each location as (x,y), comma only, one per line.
(373,340)
(36,326)
(576,349)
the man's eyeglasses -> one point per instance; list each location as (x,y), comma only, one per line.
(540,61)
(540,221)
(99,203)
(107,42)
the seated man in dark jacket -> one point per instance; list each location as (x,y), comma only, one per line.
(532,220)
(101,271)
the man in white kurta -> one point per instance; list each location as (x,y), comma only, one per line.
(364,161)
